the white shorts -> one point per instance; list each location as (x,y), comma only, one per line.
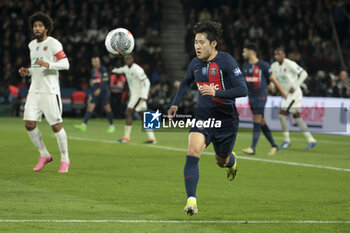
(38,104)
(137,103)
(292,104)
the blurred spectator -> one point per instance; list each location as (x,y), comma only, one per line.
(160,94)
(341,85)
(118,87)
(82,28)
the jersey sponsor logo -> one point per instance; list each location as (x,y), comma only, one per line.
(216,86)
(237,72)
(251,79)
(60,55)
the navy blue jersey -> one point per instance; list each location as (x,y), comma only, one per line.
(257,78)
(99,79)
(224,75)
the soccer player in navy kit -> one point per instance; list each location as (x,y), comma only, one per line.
(100,94)
(219,82)
(258,76)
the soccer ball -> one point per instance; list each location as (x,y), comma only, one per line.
(120,42)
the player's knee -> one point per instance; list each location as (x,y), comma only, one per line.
(29,125)
(296,115)
(128,113)
(221,161)
(56,128)
(194,151)
(91,108)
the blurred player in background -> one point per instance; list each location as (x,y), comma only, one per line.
(44,97)
(258,76)
(291,76)
(139,86)
(100,94)
(219,82)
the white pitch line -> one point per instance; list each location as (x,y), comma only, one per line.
(211,153)
(169,221)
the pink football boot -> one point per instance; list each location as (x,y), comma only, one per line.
(42,162)
(64,167)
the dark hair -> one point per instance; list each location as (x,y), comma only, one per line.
(252,46)
(212,29)
(45,18)
(281,48)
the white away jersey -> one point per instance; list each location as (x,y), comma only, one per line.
(45,80)
(287,75)
(138,81)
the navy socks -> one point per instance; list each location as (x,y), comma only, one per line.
(191,175)
(87,116)
(110,117)
(267,132)
(256,134)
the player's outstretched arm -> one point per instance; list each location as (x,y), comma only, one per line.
(118,70)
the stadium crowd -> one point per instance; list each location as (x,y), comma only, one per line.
(82,27)
(305,34)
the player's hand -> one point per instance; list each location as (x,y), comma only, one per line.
(172,111)
(271,88)
(41,63)
(97,92)
(23,72)
(291,90)
(284,94)
(207,90)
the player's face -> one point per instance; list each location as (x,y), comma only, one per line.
(245,54)
(204,49)
(279,56)
(95,62)
(39,30)
(129,60)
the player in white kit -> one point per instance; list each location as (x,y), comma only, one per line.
(47,58)
(290,75)
(139,86)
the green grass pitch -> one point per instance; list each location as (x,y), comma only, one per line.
(120,185)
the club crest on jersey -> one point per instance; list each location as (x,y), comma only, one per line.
(204,70)
(37,48)
(213,71)
(45,48)
(237,71)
